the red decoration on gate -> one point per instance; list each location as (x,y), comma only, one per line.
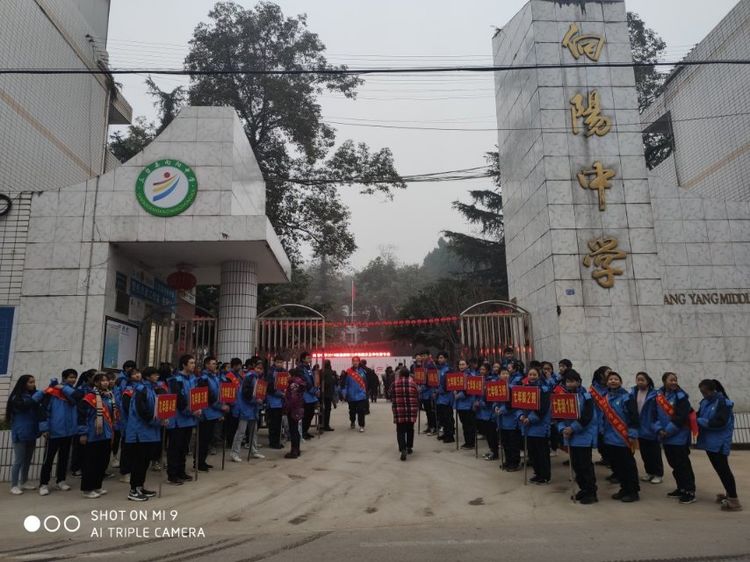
(181,280)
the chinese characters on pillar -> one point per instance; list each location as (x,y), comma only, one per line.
(587,116)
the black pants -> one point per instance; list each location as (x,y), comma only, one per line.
(624,468)
(373,394)
(429,409)
(309,415)
(651,456)
(142,453)
(488,428)
(720,463)
(59,446)
(116,442)
(468,426)
(76,455)
(511,439)
(205,435)
(538,449)
(405,436)
(125,457)
(230,428)
(327,405)
(177,449)
(678,457)
(554,437)
(445,420)
(357,411)
(602,448)
(274,427)
(294,435)
(94,461)
(583,468)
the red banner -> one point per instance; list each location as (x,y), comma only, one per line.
(261,389)
(282,381)
(455,382)
(165,407)
(474,385)
(198,398)
(228,392)
(419,376)
(525,398)
(433,378)
(497,391)
(564,406)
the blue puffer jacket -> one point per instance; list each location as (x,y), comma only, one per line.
(26,415)
(312,392)
(143,426)
(677,426)
(247,406)
(87,418)
(351,390)
(601,389)
(274,398)
(214,410)
(585,427)
(236,379)
(425,392)
(486,411)
(120,383)
(539,420)
(61,411)
(465,402)
(620,401)
(647,415)
(444,398)
(716,424)
(180,384)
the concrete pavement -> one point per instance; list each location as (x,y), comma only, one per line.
(349,497)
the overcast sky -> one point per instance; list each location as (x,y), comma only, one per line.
(145,33)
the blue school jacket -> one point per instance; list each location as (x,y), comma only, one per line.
(27,412)
(351,390)
(585,428)
(677,426)
(61,411)
(211,380)
(486,411)
(465,402)
(274,398)
(647,416)
(716,424)
(87,418)
(312,392)
(620,401)
(539,420)
(180,384)
(143,426)
(247,406)
(444,398)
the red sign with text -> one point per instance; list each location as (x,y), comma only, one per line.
(455,382)
(474,385)
(228,391)
(496,391)
(525,398)
(282,381)
(433,378)
(198,398)
(165,407)
(564,406)
(261,389)
(420,377)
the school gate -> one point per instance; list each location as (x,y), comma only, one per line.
(488,327)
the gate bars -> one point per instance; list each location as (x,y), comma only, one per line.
(490,326)
(287,335)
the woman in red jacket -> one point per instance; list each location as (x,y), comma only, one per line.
(405,404)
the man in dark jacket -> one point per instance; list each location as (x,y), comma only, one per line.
(373,383)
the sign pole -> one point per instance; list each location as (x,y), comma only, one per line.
(572,477)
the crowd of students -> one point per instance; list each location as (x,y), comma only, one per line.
(614,419)
(97,421)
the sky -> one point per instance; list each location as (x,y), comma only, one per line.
(362,33)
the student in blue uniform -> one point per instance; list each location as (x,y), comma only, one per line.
(673,430)
(96,414)
(275,404)
(425,393)
(61,414)
(535,426)
(84,385)
(180,427)
(620,437)
(233,375)
(247,410)
(143,433)
(22,414)
(580,436)
(312,393)
(444,401)
(485,413)
(116,388)
(715,428)
(465,409)
(210,416)
(353,388)
(510,433)
(126,394)
(644,395)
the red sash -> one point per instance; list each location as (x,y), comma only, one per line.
(91,401)
(616,421)
(232,378)
(56,392)
(599,400)
(668,409)
(357,378)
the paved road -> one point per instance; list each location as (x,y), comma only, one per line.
(349,498)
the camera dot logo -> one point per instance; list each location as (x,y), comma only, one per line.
(52,523)
(32,523)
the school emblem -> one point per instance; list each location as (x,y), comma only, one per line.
(166,188)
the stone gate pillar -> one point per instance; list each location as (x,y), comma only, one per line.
(238,301)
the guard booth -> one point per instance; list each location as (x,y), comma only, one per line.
(489,327)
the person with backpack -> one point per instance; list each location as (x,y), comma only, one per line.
(23,413)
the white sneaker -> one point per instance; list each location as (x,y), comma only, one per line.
(236,458)
(656,480)
(646,478)
(16,491)
(361,429)
(115,462)
(553,453)
(92,495)
(43,490)
(101,491)
(258,456)
(28,486)
(125,478)
(63,486)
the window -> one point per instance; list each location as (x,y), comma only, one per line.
(6,337)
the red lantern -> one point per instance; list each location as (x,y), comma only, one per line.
(181,280)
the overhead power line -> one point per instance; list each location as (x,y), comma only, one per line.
(365,71)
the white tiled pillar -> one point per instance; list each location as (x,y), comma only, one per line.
(238,302)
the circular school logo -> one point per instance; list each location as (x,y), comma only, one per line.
(166,188)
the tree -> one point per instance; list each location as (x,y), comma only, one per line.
(647,47)
(139,134)
(443,262)
(484,252)
(282,119)
(168,103)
